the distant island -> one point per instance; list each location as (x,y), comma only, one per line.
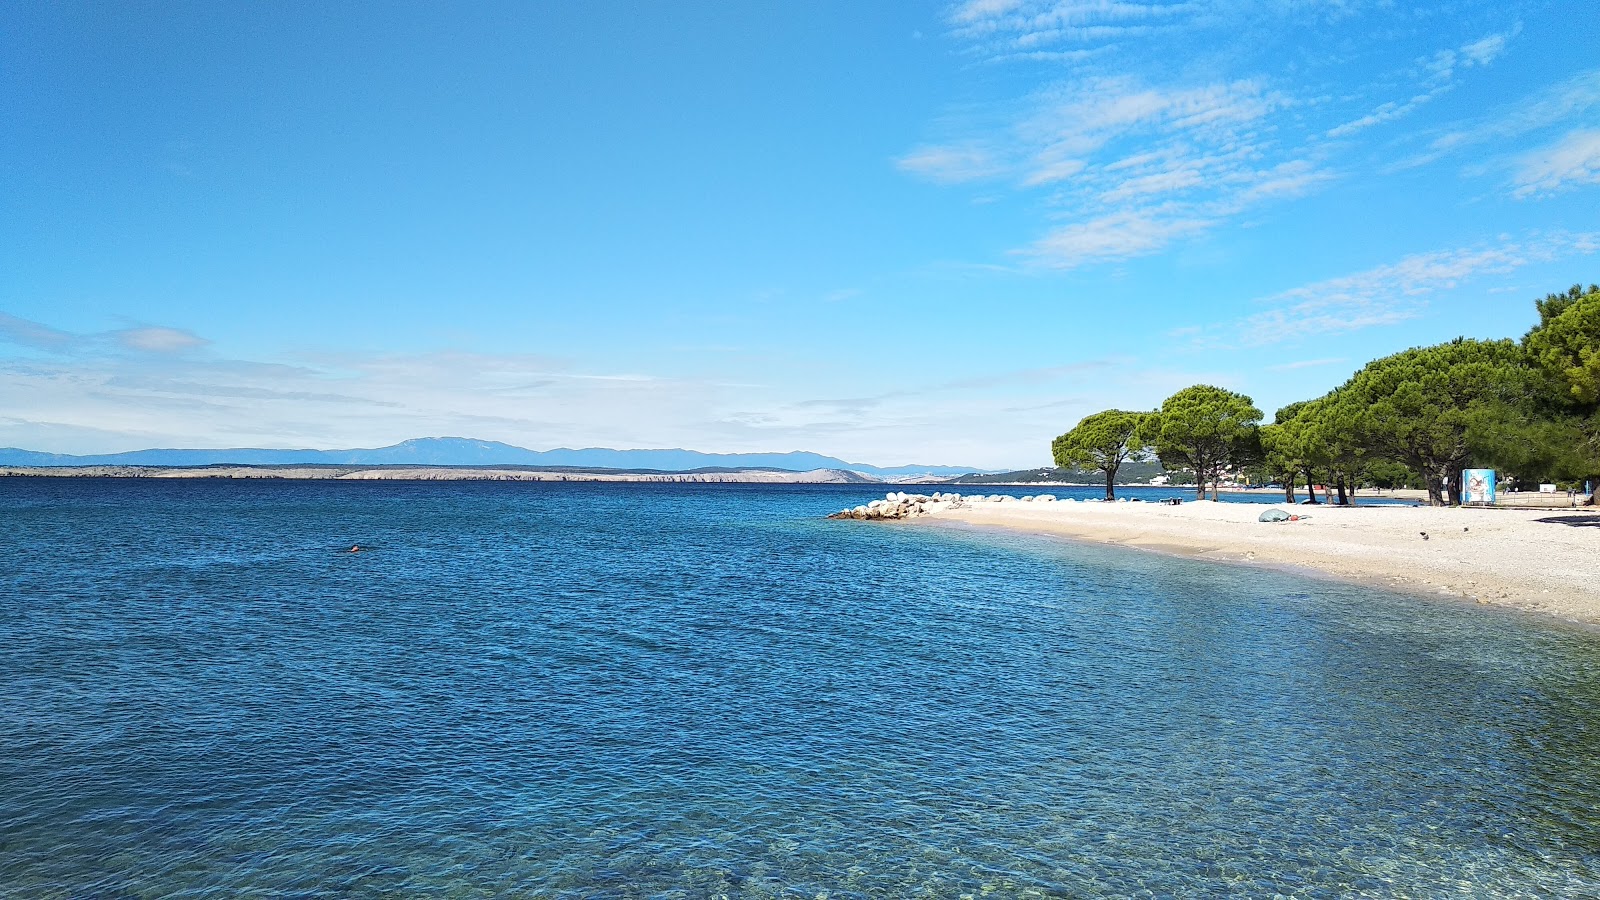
(467,452)
(466,473)
(467,459)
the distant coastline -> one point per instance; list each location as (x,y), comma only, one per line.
(464,473)
(471,453)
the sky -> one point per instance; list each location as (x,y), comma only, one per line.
(893,233)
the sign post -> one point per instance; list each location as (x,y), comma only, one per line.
(1477,486)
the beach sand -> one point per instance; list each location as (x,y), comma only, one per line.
(1540,560)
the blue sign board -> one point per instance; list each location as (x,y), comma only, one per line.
(1477,486)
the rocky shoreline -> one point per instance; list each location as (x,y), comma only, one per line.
(900,505)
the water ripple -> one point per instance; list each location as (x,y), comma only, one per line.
(670,691)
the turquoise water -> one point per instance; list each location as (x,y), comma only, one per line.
(681,691)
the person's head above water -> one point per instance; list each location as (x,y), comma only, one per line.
(355,548)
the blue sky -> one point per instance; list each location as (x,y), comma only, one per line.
(936,234)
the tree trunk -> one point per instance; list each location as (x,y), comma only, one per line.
(1111,480)
(1344,498)
(1452,485)
(1435,495)
(1443,486)
(1311,480)
(1288,489)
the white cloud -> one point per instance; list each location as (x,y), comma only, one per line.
(1558,104)
(148,339)
(1142,144)
(1387,294)
(1003,419)
(951,165)
(1573,160)
(343,400)
(1003,27)
(1293,178)
(122,401)
(1479,53)
(1120,235)
(1134,166)
(1440,72)
(153,339)
(1388,112)
(983,10)
(1305,364)
(29,333)
(1484,51)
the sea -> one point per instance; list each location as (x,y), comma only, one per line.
(686,691)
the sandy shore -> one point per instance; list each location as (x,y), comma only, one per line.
(1543,560)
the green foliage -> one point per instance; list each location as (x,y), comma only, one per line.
(1205,429)
(1388,475)
(1130,472)
(1566,345)
(1283,455)
(1284,443)
(1565,348)
(1417,417)
(1553,305)
(1103,441)
(1436,408)
(1277,453)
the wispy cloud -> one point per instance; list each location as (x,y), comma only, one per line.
(1023,409)
(1573,160)
(103,397)
(1133,166)
(153,339)
(1116,236)
(1126,155)
(1446,63)
(1559,104)
(146,339)
(1305,364)
(1388,112)
(342,399)
(1022,27)
(1387,294)
(1032,377)
(951,164)
(29,333)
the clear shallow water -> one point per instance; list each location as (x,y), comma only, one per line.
(678,691)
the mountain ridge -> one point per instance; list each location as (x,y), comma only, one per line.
(457,451)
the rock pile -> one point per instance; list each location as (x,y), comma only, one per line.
(900,505)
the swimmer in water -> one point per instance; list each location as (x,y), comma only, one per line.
(355,548)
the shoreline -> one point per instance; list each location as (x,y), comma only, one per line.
(1537,561)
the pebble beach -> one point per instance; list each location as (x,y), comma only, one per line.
(1537,560)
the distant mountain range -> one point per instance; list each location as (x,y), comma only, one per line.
(453,451)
